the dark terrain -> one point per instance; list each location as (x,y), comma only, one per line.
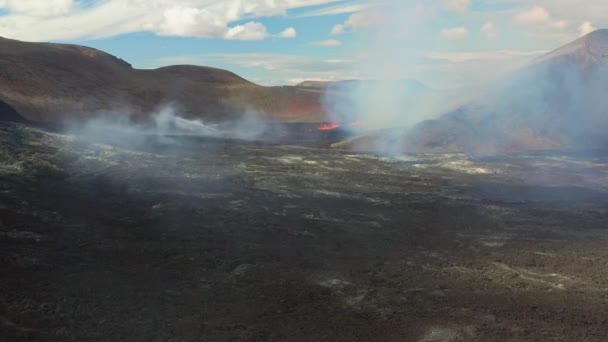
(198,239)
(7,113)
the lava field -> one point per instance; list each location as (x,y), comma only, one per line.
(199,239)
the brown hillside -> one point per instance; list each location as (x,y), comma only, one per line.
(47,82)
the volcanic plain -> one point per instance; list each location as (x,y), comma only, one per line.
(179,238)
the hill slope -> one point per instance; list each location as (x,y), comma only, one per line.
(47,82)
(7,113)
(556,102)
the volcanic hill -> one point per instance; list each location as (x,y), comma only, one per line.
(47,82)
(557,101)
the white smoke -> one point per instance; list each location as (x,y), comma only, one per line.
(545,105)
(166,121)
(387,96)
(165,126)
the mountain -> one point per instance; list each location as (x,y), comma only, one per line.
(558,101)
(586,52)
(46,82)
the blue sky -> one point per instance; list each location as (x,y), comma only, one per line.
(443,43)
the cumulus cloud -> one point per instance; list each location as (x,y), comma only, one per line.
(329,42)
(38,8)
(185,21)
(288,33)
(337,30)
(337,9)
(540,16)
(249,31)
(363,19)
(593,11)
(533,16)
(459,6)
(586,28)
(489,30)
(456,33)
(37,20)
(542,24)
(181,21)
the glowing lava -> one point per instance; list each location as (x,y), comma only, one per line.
(329,127)
(332,126)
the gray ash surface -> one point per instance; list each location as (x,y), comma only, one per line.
(193,239)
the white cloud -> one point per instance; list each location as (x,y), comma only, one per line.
(565,19)
(363,19)
(460,6)
(186,21)
(593,11)
(338,9)
(533,16)
(540,18)
(329,42)
(366,17)
(337,30)
(38,20)
(288,33)
(586,28)
(44,8)
(489,30)
(250,31)
(457,33)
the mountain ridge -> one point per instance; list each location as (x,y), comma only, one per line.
(49,82)
(588,50)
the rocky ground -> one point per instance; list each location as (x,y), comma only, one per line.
(192,239)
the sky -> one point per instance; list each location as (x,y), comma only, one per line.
(445,44)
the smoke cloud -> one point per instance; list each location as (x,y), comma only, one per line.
(387,96)
(555,103)
(165,126)
(552,103)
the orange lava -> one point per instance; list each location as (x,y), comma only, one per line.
(329,127)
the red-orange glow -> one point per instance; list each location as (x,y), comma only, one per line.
(329,127)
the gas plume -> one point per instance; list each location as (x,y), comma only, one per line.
(554,102)
(386,96)
(120,127)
